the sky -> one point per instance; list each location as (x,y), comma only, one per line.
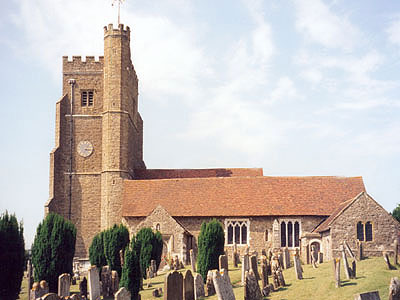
(298,88)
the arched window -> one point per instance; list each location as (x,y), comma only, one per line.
(244,233)
(158,227)
(296,234)
(237,234)
(230,234)
(236,231)
(283,234)
(290,234)
(368,231)
(360,231)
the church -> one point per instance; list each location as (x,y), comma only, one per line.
(98,178)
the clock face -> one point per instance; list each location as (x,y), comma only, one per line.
(85,148)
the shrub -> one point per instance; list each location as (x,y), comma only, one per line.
(12,256)
(115,239)
(131,274)
(150,248)
(96,251)
(211,245)
(53,249)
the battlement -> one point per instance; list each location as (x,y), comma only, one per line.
(86,64)
(121,30)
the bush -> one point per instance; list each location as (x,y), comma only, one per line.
(53,249)
(115,239)
(211,245)
(396,213)
(12,256)
(131,274)
(150,248)
(96,251)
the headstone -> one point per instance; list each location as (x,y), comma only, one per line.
(314,256)
(251,288)
(94,283)
(264,273)
(247,250)
(347,270)
(286,258)
(50,296)
(394,289)
(386,258)
(280,258)
(348,249)
(173,286)
(44,287)
(223,263)
(192,261)
(297,265)
(64,282)
(223,286)
(245,266)
(320,257)
(360,254)
(336,268)
(277,274)
(83,288)
(198,287)
(263,252)
(188,286)
(396,251)
(210,289)
(122,294)
(114,282)
(35,291)
(367,296)
(353,269)
(176,263)
(153,265)
(254,266)
(106,281)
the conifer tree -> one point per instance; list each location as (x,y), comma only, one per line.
(131,274)
(96,251)
(211,245)
(53,249)
(12,256)
(115,239)
(150,248)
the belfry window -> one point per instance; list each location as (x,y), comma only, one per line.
(237,232)
(290,233)
(87,98)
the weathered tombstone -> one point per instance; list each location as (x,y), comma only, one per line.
(83,288)
(297,265)
(210,284)
(198,287)
(280,258)
(245,266)
(114,282)
(394,289)
(396,251)
(254,267)
(347,270)
(247,250)
(50,296)
(173,286)
(263,252)
(153,265)
(223,263)
(176,265)
(277,274)
(367,296)
(106,281)
(35,291)
(122,294)
(314,256)
(94,283)
(353,269)
(251,288)
(223,286)
(336,267)
(44,287)
(348,249)
(192,261)
(286,258)
(264,273)
(360,254)
(64,282)
(188,286)
(320,257)
(386,258)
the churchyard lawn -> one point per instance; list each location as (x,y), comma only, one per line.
(372,274)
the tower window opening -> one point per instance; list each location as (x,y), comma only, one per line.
(87,98)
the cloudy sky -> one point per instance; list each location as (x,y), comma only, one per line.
(302,87)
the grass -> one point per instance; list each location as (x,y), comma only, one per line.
(372,275)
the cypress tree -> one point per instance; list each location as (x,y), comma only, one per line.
(150,248)
(96,251)
(12,256)
(211,246)
(114,240)
(131,273)
(53,249)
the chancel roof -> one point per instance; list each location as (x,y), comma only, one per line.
(240,196)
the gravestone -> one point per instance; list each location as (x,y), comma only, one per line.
(277,274)
(192,261)
(153,265)
(396,251)
(44,287)
(114,282)
(360,252)
(50,296)
(320,257)
(386,258)
(188,286)
(223,286)
(64,282)
(106,281)
(94,283)
(74,297)
(314,256)
(297,265)
(394,289)
(173,286)
(347,270)
(198,287)
(35,291)
(210,284)
(223,263)
(83,288)
(245,266)
(348,249)
(280,258)
(122,294)
(336,269)
(286,258)
(254,266)
(264,273)
(251,288)
(367,296)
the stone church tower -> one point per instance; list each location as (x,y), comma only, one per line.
(99,138)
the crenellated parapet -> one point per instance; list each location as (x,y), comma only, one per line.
(121,30)
(83,64)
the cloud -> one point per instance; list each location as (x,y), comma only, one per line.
(393,31)
(319,24)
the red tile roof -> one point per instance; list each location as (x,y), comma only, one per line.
(240,196)
(195,173)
